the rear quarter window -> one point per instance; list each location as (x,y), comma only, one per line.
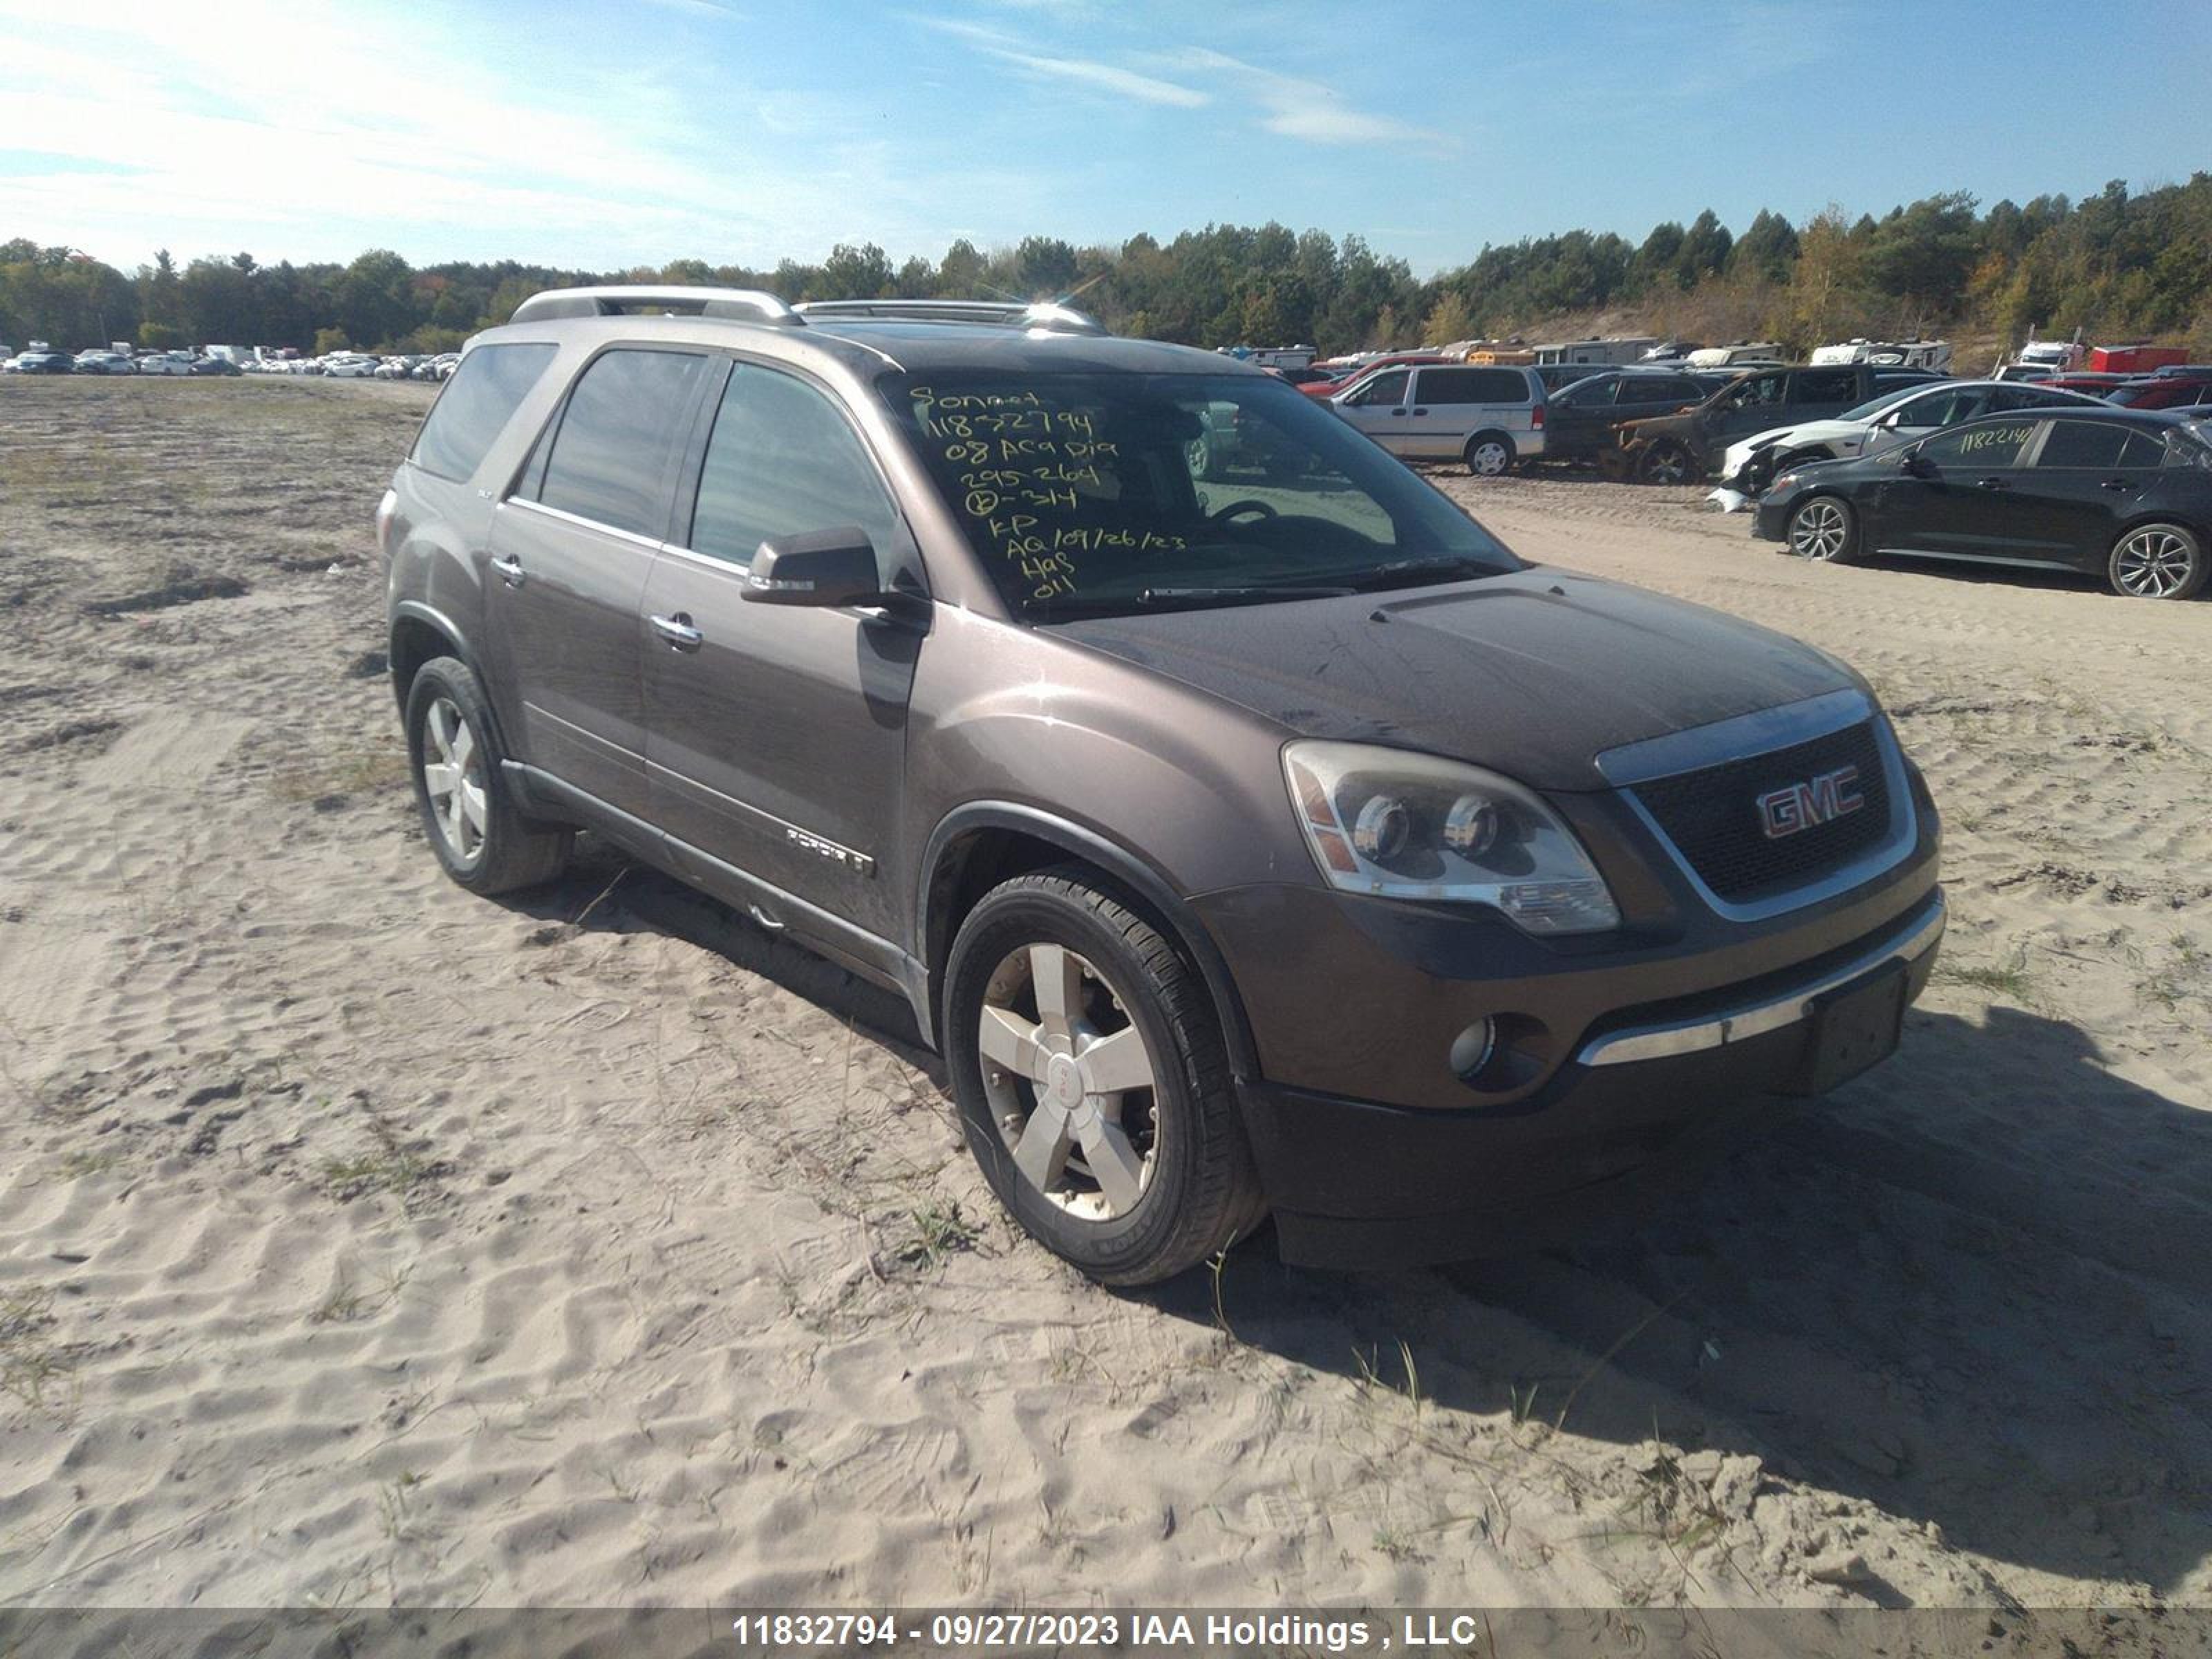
(478,401)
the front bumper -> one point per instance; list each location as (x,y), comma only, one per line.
(1769,519)
(1644,1101)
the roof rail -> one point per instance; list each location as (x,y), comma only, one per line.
(1044,314)
(742,304)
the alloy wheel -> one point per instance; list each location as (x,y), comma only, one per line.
(1819,530)
(2153,563)
(1070,1082)
(453,777)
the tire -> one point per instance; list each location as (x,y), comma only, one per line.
(482,839)
(1490,455)
(1179,1186)
(2161,561)
(1823,528)
(1199,455)
(1665,462)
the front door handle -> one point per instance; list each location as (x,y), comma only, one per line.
(1989,484)
(679,631)
(2114,484)
(510,570)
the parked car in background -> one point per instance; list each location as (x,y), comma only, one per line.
(35,361)
(1491,419)
(2163,392)
(349,366)
(1579,418)
(1894,417)
(2108,492)
(164,362)
(1676,449)
(218,366)
(1352,375)
(102,362)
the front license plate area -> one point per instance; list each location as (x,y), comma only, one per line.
(1852,1028)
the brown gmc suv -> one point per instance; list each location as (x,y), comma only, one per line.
(1267,841)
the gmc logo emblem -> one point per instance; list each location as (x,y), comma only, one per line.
(1807,805)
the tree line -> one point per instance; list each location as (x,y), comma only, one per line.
(2117,265)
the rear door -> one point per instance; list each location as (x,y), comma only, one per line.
(1578,418)
(2088,478)
(570,549)
(1379,406)
(776,739)
(1753,403)
(1451,404)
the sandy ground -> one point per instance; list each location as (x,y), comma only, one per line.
(364,1242)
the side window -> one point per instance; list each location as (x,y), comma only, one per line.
(2089,444)
(783,460)
(477,401)
(1827,385)
(1384,390)
(1985,443)
(1472,386)
(610,458)
(1654,390)
(1755,392)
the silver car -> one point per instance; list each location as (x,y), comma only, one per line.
(1490,417)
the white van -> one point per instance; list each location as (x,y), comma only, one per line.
(1490,417)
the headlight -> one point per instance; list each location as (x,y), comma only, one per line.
(1397,824)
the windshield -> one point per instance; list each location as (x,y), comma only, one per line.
(1873,406)
(1097,494)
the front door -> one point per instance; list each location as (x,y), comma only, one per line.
(1379,407)
(777,734)
(567,559)
(1956,493)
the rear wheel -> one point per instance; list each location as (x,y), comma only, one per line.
(1092,1083)
(1490,454)
(2158,562)
(480,835)
(1821,527)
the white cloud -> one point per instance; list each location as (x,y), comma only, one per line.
(1083,71)
(1310,110)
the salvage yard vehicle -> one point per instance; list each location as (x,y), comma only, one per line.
(1894,417)
(1579,419)
(1490,418)
(2104,491)
(1678,449)
(1292,848)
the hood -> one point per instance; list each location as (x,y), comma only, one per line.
(1815,432)
(1533,674)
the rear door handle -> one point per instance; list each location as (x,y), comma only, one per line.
(510,570)
(1989,484)
(2115,483)
(1420,411)
(679,631)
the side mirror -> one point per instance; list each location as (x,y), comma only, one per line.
(828,567)
(1914,464)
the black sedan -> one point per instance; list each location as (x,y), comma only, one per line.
(46,362)
(2123,495)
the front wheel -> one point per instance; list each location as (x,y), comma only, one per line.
(480,835)
(2158,562)
(1820,527)
(1665,462)
(1092,1082)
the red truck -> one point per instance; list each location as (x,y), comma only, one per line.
(2135,359)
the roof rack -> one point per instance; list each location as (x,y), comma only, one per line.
(1044,314)
(742,304)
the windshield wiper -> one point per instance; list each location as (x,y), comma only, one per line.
(1261,591)
(1412,573)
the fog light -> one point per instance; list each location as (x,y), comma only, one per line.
(1471,1048)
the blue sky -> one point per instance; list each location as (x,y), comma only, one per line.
(604,133)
